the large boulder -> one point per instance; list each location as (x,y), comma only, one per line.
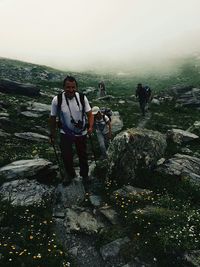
(186,96)
(132,149)
(182,166)
(32,168)
(180,89)
(12,87)
(180,136)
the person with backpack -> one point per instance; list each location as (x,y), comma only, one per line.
(148,96)
(73,110)
(142,97)
(148,92)
(102,125)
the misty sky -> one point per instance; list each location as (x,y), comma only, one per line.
(81,34)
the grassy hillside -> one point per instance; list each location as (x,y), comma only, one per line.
(168,195)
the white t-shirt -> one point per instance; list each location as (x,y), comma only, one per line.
(102,125)
(76,113)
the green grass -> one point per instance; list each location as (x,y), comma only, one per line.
(27,238)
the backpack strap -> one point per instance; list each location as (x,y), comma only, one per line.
(81,95)
(82,100)
(104,118)
(59,98)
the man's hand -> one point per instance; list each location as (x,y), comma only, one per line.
(90,130)
(52,138)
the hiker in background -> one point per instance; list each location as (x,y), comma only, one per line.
(72,112)
(103,130)
(102,89)
(148,96)
(142,97)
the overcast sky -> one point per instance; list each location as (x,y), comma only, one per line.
(81,34)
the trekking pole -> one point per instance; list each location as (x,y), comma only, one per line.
(92,146)
(58,161)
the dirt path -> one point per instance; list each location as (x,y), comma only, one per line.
(144,120)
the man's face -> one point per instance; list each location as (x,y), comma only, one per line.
(70,88)
(98,115)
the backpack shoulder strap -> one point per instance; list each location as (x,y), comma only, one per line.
(104,118)
(82,100)
(59,96)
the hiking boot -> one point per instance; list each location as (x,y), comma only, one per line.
(67,180)
(86,181)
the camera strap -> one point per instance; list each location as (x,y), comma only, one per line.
(78,104)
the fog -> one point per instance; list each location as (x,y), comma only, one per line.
(100,34)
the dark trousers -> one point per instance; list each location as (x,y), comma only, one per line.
(142,105)
(66,143)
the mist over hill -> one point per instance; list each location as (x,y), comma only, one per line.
(183,71)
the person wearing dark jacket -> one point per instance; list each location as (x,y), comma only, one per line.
(141,94)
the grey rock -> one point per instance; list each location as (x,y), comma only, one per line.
(13,87)
(89,89)
(74,251)
(110,214)
(138,263)
(73,194)
(182,166)
(116,122)
(112,249)
(180,136)
(26,169)
(155,101)
(195,128)
(39,107)
(106,98)
(30,114)
(193,257)
(187,96)
(82,221)
(128,191)
(95,200)
(32,136)
(26,192)
(4,114)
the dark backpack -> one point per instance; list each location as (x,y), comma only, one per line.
(59,96)
(107,112)
(148,91)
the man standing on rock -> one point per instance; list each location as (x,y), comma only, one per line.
(72,109)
